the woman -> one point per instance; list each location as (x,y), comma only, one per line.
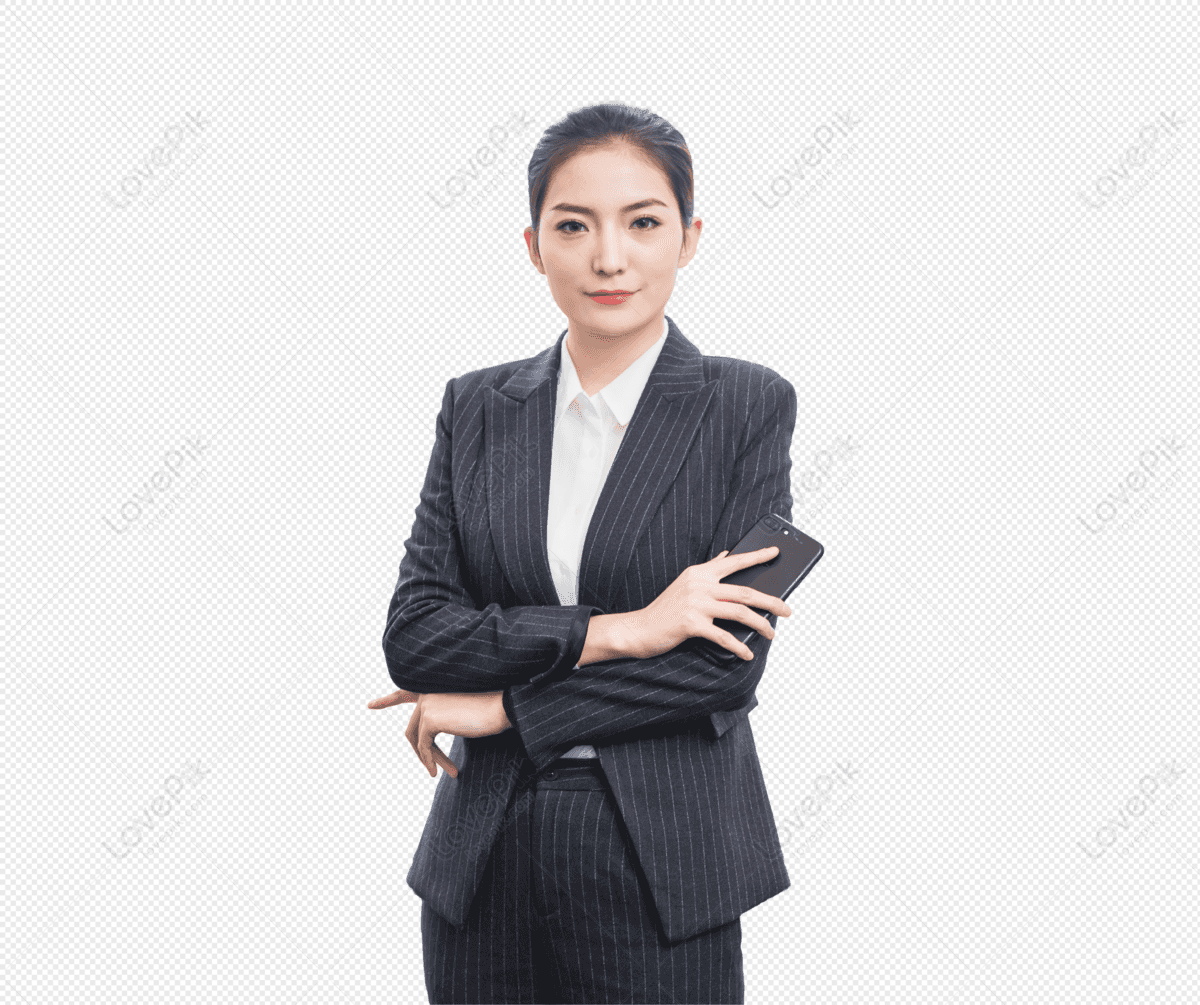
(601,822)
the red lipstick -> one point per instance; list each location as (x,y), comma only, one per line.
(611,296)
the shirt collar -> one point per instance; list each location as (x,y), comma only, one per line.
(622,393)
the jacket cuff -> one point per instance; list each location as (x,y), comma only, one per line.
(576,639)
(506,701)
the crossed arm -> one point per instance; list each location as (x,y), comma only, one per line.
(455,662)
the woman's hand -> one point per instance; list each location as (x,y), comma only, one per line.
(461,714)
(687,607)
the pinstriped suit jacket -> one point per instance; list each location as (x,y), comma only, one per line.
(475,609)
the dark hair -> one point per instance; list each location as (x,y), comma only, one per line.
(601,125)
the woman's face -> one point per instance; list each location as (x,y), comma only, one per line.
(610,221)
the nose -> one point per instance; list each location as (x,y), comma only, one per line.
(610,252)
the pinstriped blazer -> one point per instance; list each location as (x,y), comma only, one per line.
(475,609)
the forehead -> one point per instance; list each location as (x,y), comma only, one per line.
(607,175)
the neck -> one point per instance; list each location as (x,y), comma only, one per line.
(601,357)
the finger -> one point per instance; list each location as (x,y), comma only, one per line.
(395,698)
(761,555)
(764,601)
(740,612)
(425,748)
(751,597)
(447,765)
(774,605)
(747,558)
(728,641)
(411,731)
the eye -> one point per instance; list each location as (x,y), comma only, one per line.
(577,223)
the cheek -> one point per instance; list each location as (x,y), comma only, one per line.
(562,287)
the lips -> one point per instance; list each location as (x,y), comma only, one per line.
(612,299)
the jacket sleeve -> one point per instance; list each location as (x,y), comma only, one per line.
(598,701)
(436,639)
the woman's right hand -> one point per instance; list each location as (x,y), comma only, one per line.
(687,607)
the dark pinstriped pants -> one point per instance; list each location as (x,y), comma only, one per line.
(563,913)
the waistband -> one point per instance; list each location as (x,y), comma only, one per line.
(573,773)
(567,762)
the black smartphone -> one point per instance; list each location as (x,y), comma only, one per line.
(779,576)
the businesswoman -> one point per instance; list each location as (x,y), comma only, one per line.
(601,822)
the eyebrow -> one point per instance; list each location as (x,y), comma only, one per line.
(584,211)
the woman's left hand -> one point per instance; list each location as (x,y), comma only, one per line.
(460,714)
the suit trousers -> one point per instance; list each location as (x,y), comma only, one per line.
(564,914)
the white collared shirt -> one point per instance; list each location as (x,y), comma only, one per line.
(587,433)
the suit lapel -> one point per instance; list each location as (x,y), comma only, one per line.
(518,445)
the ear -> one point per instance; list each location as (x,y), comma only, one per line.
(533,254)
(691,237)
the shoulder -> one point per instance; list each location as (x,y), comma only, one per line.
(752,398)
(744,387)
(490,376)
(464,394)
(742,376)
(529,370)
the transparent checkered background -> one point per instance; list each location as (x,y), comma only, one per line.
(248,246)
